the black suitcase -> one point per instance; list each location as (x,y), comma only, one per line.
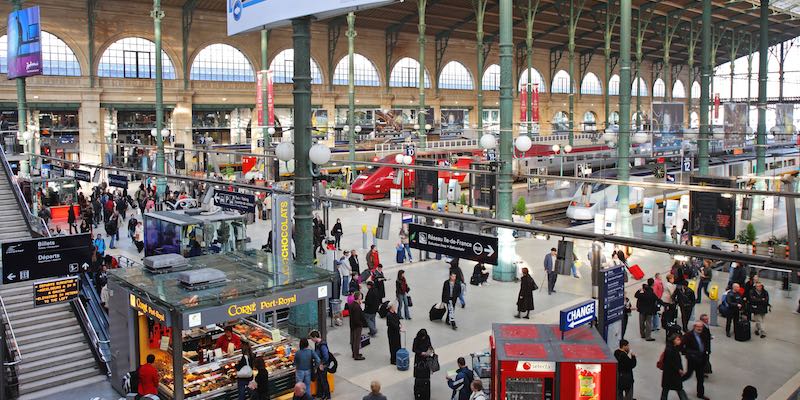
(436,313)
(741,330)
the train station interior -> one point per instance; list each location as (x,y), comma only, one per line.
(400,199)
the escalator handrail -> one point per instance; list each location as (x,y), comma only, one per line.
(29,217)
(92,334)
(89,291)
(7,322)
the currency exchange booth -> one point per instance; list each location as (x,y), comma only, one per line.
(180,315)
(534,362)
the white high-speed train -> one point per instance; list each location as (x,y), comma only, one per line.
(593,197)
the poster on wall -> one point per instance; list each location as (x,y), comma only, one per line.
(453,122)
(784,118)
(735,120)
(24,47)
(587,380)
(394,120)
(667,120)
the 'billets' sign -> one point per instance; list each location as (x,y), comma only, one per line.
(575,316)
(235,201)
(50,257)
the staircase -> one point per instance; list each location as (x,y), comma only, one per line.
(56,355)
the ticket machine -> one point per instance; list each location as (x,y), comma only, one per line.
(534,362)
(649,215)
(671,215)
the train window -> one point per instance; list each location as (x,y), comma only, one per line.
(599,187)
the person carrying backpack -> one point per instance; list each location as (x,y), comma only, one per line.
(325,356)
(461,382)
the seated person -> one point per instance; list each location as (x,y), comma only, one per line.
(479,275)
(228,342)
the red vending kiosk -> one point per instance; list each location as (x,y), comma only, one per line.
(532,362)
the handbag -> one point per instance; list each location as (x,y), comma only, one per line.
(408,300)
(433,363)
(246,372)
(535,286)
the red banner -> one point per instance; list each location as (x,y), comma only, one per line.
(716,105)
(535,103)
(248,163)
(260,99)
(523,105)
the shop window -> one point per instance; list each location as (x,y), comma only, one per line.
(364,72)
(221,62)
(282,67)
(57,57)
(133,58)
(455,76)
(406,74)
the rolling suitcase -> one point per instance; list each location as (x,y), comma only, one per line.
(402,357)
(437,312)
(636,272)
(741,330)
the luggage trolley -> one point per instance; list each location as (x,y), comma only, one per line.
(482,366)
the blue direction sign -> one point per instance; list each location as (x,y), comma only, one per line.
(575,316)
(614,291)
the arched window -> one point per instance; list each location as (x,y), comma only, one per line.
(694,120)
(560,82)
(455,76)
(613,86)
(695,90)
(613,118)
(639,89)
(591,84)
(406,74)
(589,121)
(536,78)
(57,57)
(659,89)
(491,78)
(221,62)
(282,68)
(678,91)
(561,122)
(364,71)
(134,57)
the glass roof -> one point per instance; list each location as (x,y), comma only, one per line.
(248,274)
(790,7)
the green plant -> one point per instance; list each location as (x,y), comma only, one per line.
(463,199)
(228,171)
(748,235)
(521,208)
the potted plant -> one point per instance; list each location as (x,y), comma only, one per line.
(337,188)
(520,209)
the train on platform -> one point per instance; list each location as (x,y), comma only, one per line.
(591,198)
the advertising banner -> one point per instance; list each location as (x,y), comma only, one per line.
(716,105)
(235,201)
(667,119)
(282,217)
(24,44)
(260,81)
(588,381)
(523,104)
(535,104)
(453,122)
(713,214)
(784,118)
(735,121)
(247,15)
(46,258)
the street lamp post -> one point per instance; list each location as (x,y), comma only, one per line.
(402,160)
(562,151)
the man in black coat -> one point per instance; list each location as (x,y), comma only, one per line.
(696,350)
(672,368)
(451,289)
(525,297)
(735,307)
(354,262)
(646,303)
(393,328)
(357,323)
(371,305)
(626,362)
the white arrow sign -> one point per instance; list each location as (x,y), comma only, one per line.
(85,266)
(11,276)
(580,321)
(489,250)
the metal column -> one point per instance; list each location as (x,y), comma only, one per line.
(157,15)
(480,12)
(351,89)
(763,50)
(505,270)
(624,142)
(573,24)
(421,4)
(529,20)
(609,29)
(302,318)
(705,82)
(264,93)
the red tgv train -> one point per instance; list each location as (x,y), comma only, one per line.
(376,182)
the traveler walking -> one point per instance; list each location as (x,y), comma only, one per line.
(405,242)
(550,270)
(423,350)
(460,384)
(672,368)
(658,289)
(694,346)
(626,362)
(706,273)
(646,304)
(401,291)
(71,219)
(525,297)
(337,234)
(451,290)
(759,306)
(357,323)
(685,300)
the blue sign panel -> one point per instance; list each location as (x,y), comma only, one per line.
(575,316)
(24,46)
(614,290)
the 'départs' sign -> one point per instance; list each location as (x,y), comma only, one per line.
(575,316)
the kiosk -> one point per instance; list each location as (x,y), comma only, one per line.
(55,193)
(168,232)
(179,315)
(533,362)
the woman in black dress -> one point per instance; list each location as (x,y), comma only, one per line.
(422,374)
(525,298)
(262,381)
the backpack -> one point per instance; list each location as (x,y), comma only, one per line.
(130,382)
(724,308)
(332,364)
(660,362)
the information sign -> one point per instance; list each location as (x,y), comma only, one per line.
(46,258)
(56,291)
(463,245)
(575,316)
(120,181)
(235,201)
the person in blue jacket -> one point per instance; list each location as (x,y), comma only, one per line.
(461,383)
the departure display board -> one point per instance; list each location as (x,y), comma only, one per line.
(426,182)
(713,214)
(56,291)
(483,187)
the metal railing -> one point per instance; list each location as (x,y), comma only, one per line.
(13,336)
(35,223)
(473,143)
(99,346)
(126,262)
